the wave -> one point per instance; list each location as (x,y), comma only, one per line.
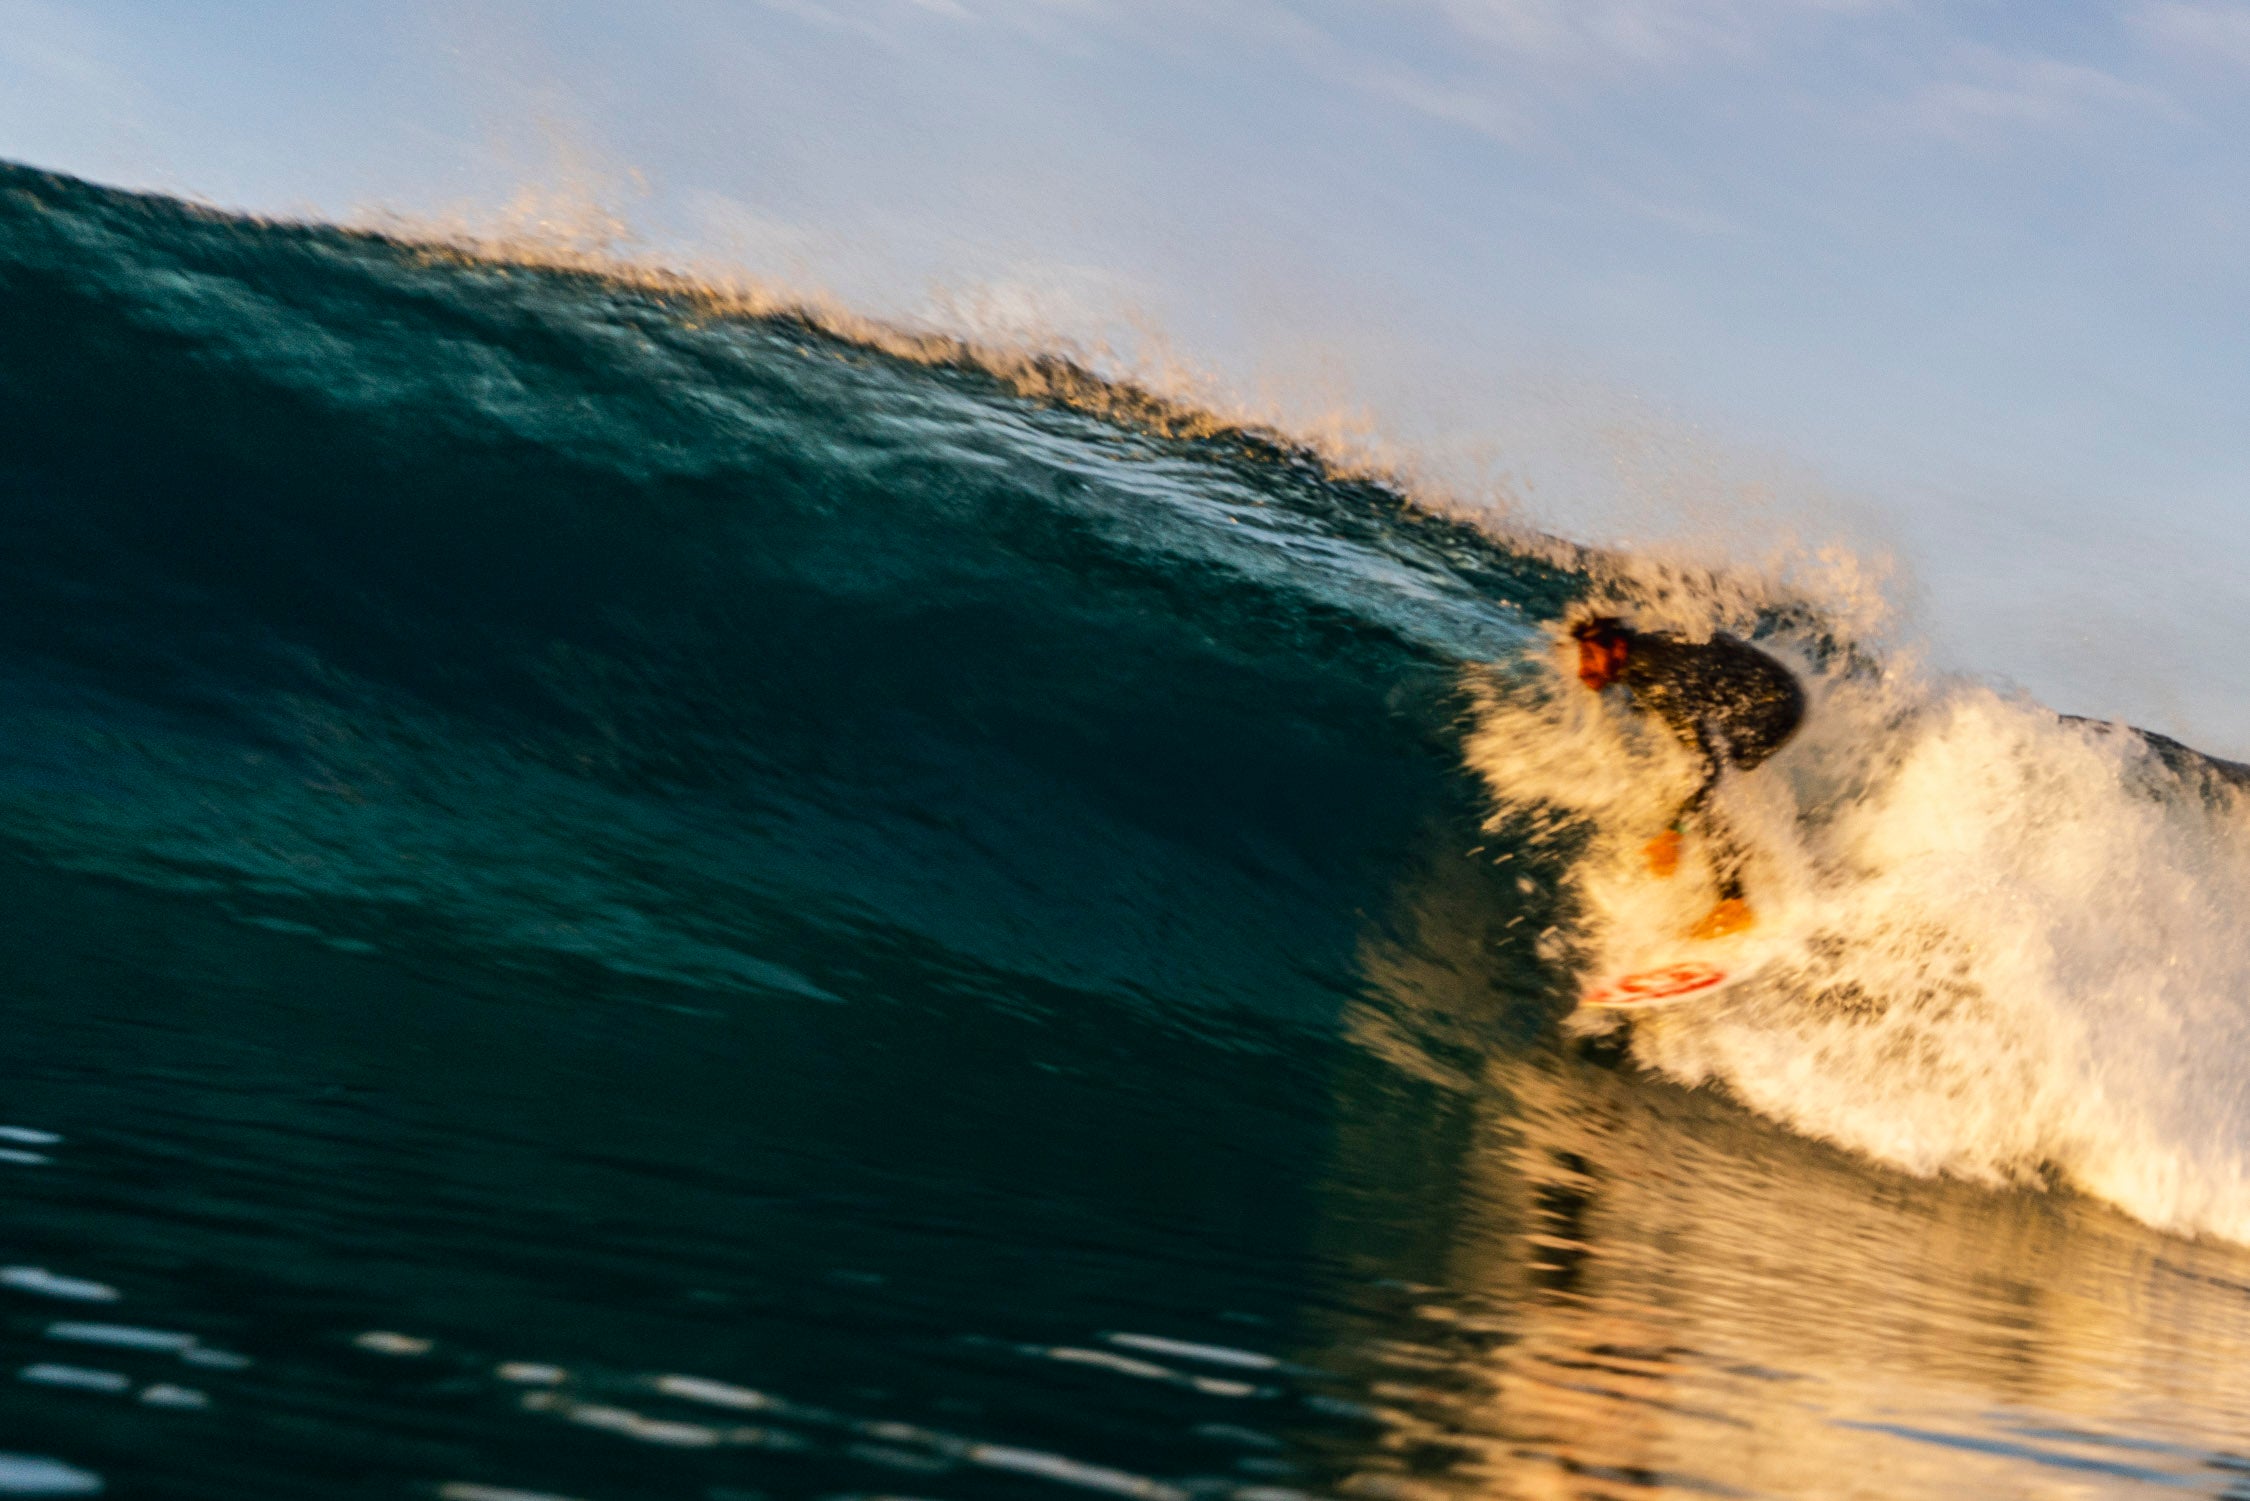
(402,593)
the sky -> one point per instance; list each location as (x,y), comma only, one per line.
(1964,283)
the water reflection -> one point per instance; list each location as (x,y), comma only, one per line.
(1630,1288)
(955,1253)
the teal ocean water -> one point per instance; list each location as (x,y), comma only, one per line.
(607,897)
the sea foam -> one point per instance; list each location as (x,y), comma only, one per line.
(1992,942)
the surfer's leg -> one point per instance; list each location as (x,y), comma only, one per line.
(1732,914)
(1663,852)
(1725,854)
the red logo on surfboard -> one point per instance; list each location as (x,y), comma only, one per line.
(1651,985)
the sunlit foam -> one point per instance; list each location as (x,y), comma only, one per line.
(1992,942)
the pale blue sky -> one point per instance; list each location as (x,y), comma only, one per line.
(1970,280)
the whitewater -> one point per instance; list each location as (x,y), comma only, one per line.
(607,871)
(1995,942)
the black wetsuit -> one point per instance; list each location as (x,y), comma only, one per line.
(1731,703)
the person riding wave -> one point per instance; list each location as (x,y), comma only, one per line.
(1725,700)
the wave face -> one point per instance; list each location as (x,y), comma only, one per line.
(381,590)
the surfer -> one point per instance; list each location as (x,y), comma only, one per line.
(1727,701)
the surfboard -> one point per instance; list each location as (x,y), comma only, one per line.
(1660,985)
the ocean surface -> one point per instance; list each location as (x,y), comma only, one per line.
(607,894)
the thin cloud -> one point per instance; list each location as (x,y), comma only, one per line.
(45,43)
(1999,93)
(1477,102)
(1478,110)
(1515,58)
(1670,210)
(2197,32)
(1638,33)
(880,24)
(1509,58)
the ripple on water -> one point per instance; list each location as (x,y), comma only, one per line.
(33,1279)
(34,1475)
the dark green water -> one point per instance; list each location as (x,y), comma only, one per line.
(607,902)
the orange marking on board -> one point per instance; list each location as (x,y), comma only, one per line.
(1652,985)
